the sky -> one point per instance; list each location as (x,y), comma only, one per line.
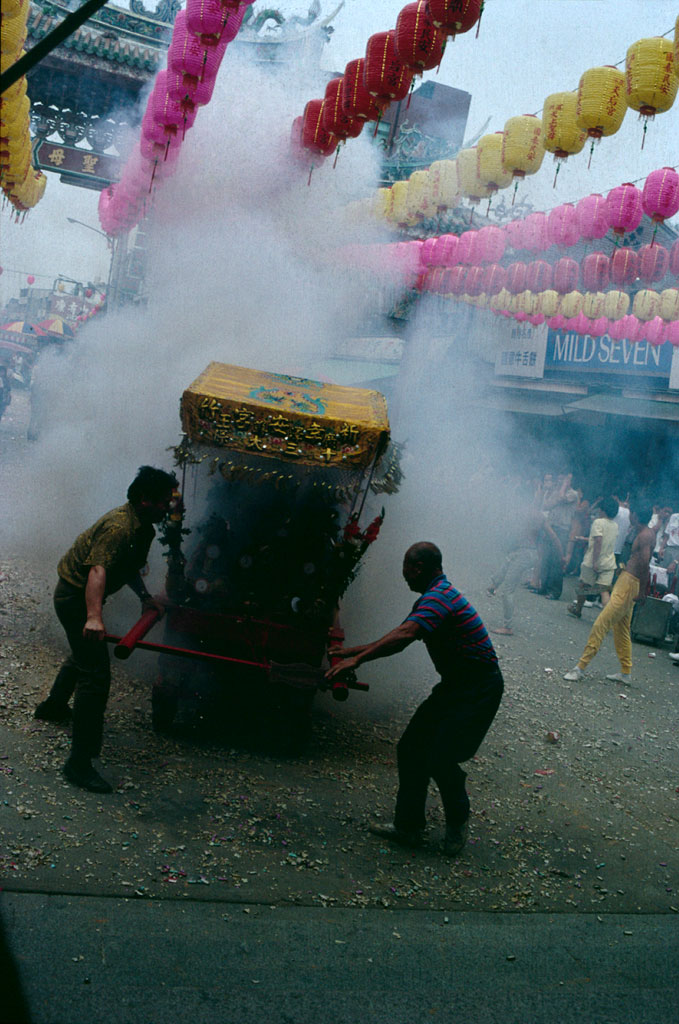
(526,49)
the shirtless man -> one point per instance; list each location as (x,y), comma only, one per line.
(617,615)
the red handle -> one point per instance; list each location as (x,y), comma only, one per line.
(123,649)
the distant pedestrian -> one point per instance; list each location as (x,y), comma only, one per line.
(448,727)
(598,564)
(617,615)
(534,533)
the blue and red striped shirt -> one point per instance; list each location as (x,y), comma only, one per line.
(453,630)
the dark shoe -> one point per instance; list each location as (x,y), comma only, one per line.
(85,776)
(572,609)
(51,711)
(456,837)
(410,837)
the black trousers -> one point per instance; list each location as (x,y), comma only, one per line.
(446,730)
(85,673)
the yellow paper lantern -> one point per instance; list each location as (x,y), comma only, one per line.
(13,35)
(399,199)
(676,48)
(593,304)
(571,304)
(560,132)
(15,117)
(471,186)
(522,147)
(501,299)
(669,304)
(13,8)
(13,93)
(650,81)
(489,167)
(383,204)
(418,202)
(548,302)
(646,304)
(616,305)
(7,59)
(602,101)
(443,184)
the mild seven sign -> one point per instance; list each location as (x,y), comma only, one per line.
(577,352)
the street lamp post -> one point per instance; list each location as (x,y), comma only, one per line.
(110,243)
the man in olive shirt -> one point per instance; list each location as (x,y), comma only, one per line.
(103,559)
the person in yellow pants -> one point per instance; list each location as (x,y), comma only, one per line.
(617,615)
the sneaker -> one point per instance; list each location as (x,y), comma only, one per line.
(572,609)
(455,838)
(404,837)
(619,677)
(50,711)
(85,776)
(574,674)
(674,657)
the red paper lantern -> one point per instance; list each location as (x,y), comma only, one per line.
(419,43)
(539,276)
(455,16)
(355,99)
(624,266)
(31,279)
(566,275)
(596,273)
(454,280)
(314,136)
(494,278)
(516,278)
(653,262)
(385,76)
(335,121)
(474,281)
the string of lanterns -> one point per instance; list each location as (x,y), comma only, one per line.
(649,85)
(384,75)
(21,184)
(200,37)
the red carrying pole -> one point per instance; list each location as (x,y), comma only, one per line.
(126,644)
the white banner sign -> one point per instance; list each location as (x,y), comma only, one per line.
(520,350)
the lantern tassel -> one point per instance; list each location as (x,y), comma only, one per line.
(478,24)
(556,172)
(643,136)
(334,165)
(516,185)
(311,171)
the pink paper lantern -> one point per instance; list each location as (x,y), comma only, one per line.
(592,220)
(654,262)
(660,196)
(672,332)
(167,111)
(624,266)
(495,277)
(206,19)
(598,327)
(521,316)
(596,273)
(654,331)
(31,279)
(464,249)
(582,323)
(492,242)
(539,276)
(188,56)
(566,275)
(514,232)
(427,252)
(562,225)
(535,232)
(630,327)
(557,323)
(474,280)
(189,90)
(674,258)
(445,251)
(536,319)
(516,278)
(454,279)
(571,324)
(624,208)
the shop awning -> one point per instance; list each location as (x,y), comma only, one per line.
(617,405)
(528,402)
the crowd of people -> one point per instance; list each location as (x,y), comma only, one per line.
(603,542)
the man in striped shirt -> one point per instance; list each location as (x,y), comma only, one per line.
(450,724)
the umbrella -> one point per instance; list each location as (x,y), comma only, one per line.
(23,327)
(57,325)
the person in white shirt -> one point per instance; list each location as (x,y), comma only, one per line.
(668,552)
(598,564)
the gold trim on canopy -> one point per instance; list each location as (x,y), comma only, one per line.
(291,418)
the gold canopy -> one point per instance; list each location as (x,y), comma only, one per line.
(281,417)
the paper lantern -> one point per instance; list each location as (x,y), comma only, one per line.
(500,299)
(470,185)
(492,242)
(474,280)
(385,76)
(189,90)
(539,276)
(624,267)
(31,279)
(596,272)
(514,230)
(669,304)
(548,302)
(560,132)
(598,326)
(650,82)
(419,43)
(206,19)
(653,263)
(454,280)
(170,113)
(355,99)
(516,278)
(494,278)
(592,219)
(399,202)
(455,16)
(466,244)
(646,304)
(418,201)
(427,252)
(628,328)
(571,304)
(581,323)
(489,167)
(593,304)
(672,329)
(443,184)
(534,234)
(383,203)
(624,208)
(186,55)
(654,331)
(660,195)
(522,147)
(674,259)
(601,101)
(616,304)
(314,136)
(334,119)
(562,225)
(445,250)
(566,275)
(557,323)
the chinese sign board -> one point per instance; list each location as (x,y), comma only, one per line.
(77,166)
(569,352)
(521,350)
